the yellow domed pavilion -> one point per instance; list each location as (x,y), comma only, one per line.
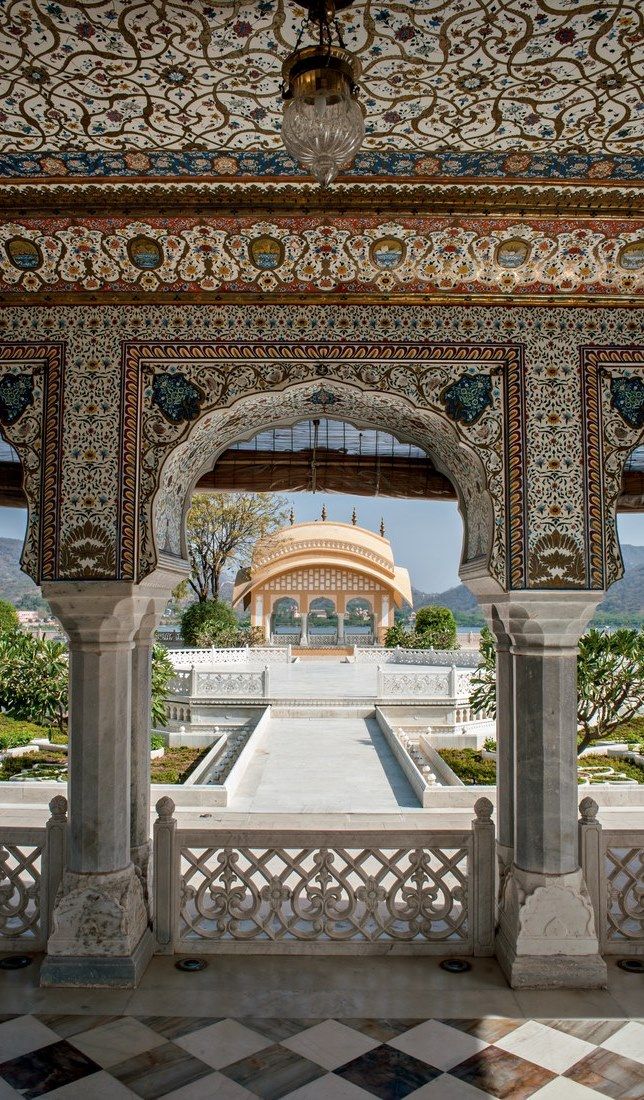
(337,562)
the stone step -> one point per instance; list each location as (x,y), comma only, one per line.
(312,653)
(322,710)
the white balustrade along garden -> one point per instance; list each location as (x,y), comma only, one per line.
(312,889)
(32,859)
(308,890)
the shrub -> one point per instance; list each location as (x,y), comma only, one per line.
(14,733)
(469,765)
(436,626)
(211,618)
(8,617)
(157,741)
(489,744)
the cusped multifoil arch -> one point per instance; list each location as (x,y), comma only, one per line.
(482,510)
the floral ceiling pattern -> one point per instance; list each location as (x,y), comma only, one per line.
(512,81)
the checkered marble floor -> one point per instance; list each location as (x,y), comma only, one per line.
(197,1058)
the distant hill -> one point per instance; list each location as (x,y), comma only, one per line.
(624,600)
(13,582)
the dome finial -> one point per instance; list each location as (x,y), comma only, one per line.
(354,517)
(382,527)
(324,512)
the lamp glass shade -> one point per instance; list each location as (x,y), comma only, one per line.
(323,132)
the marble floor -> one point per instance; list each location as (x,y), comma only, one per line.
(323,765)
(321,1029)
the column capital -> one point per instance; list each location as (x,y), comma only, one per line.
(539,619)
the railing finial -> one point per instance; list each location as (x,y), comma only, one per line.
(588,810)
(483,809)
(165,808)
(58,808)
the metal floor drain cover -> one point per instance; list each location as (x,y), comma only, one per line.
(15,962)
(191,964)
(455,966)
(632,966)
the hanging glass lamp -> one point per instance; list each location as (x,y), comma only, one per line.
(323,124)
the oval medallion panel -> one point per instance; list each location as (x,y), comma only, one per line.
(387,253)
(145,253)
(266,253)
(23,254)
(512,253)
(631,257)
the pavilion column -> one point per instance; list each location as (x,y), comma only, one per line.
(304,620)
(151,598)
(504,745)
(100,934)
(340,610)
(546,935)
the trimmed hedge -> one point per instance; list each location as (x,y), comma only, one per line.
(14,732)
(469,765)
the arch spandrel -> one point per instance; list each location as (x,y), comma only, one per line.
(91,512)
(483,513)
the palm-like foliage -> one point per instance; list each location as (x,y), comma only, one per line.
(610,681)
(162,673)
(33,678)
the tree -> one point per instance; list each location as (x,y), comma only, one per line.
(437,627)
(8,617)
(33,678)
(211,618)
(610,681)
(162,673)
(222,528)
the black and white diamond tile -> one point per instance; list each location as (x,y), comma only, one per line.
(74,1057)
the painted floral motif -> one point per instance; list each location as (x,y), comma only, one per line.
(355,254)
(628,398)
(556,561)
(87,551)
(177,397)
(467,399)
(16,395)
(270,164)
(204,76)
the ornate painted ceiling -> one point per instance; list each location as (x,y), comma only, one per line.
(140,154)
(547,89)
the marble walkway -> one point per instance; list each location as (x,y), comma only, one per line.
(329,1028)
(323,765)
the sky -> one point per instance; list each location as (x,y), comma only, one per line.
(426,536)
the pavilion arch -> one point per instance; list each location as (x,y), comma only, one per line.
(214,431)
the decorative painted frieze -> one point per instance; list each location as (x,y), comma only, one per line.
(294,255)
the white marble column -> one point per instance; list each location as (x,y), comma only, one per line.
(504,743)
(100,934)
(151,598)
(546,936)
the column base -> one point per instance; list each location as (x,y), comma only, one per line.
(107,972)
(98,915)
(141,858)
(546,935)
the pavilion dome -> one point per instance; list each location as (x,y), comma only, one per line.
(324,544)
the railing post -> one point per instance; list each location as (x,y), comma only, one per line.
(591,857)
(166,877)
(267,681)
(53,859)
(380,688)
(483,878)
(193,681)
